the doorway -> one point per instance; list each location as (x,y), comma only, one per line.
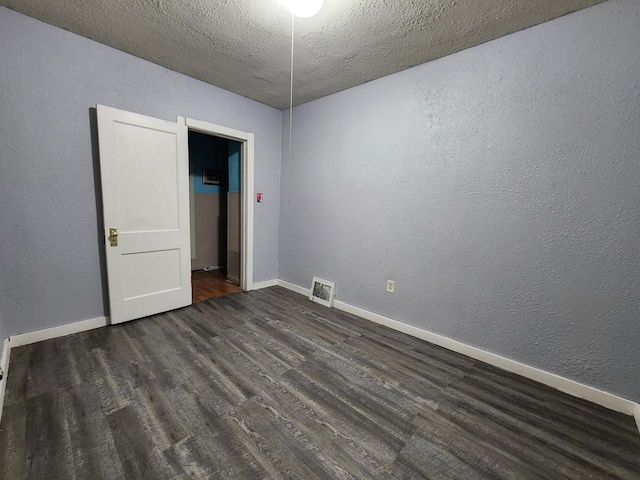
(246,140)
(215,206)
(146,193)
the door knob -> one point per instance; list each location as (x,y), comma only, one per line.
(113,237)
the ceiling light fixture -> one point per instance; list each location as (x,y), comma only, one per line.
(304,8)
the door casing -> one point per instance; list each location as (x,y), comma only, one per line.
(247,182)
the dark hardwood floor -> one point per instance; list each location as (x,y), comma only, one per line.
(210,284)
(269,385)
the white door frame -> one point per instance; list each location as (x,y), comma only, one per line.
(247,180)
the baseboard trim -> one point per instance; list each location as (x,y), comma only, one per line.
(206,268)
(4,364)
(265,284)
(563,384)
(294,288)
(571,387)
(55,332)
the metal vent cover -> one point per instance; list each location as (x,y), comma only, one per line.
(322,292)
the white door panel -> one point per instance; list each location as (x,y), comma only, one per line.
(145,173)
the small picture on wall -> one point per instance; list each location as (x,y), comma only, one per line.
(211,177)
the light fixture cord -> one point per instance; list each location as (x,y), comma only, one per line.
(291,114)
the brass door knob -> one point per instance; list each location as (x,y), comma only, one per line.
(113,237)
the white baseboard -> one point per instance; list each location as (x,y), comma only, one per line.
(206,268)
(265,284)
(4,364)
(295,288)
(211,267)
(563,384)
(55,332)
(605,399)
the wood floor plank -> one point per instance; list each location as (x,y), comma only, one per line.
(234,311)
(269,451)
(220,372)
(422,391)
(410,367)
(552,416)
(50,453)
(299,445)
(14,453)
(158,410)
(298,416)
(286,338)
(268,384)
(210,315)
(300,335)
(252,348)
(134,441)
(576,458)
(41,372)
(238,452)
(343,322)
(368,383)
(196,460)
(425,459)
(17,381)
(113,390)
(210,284)
(537,396)
(94,452)
(484,454)
(386,415)
(214,388)
(345,419)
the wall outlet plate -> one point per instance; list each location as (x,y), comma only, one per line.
(391,286)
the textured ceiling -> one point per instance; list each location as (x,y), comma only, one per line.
(244,46)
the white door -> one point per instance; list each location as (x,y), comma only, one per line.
(145,190)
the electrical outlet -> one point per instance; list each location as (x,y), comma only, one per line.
(391,286)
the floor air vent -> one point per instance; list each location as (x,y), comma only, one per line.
(322,292)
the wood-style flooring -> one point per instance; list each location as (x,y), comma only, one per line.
(211,284)
(269,385)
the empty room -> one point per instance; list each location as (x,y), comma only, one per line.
(310,239)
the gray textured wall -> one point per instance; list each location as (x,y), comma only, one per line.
(210,231)
(49,237)
(499,187)
(4,333)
